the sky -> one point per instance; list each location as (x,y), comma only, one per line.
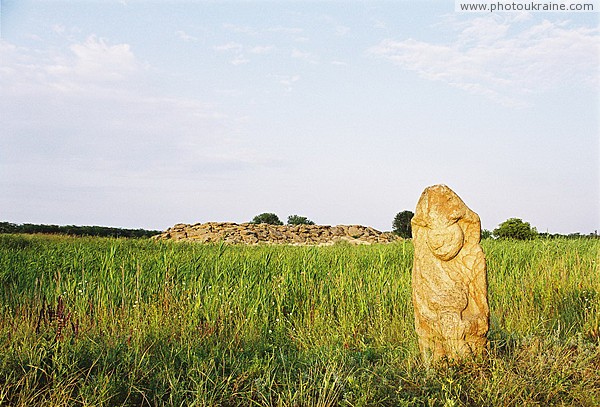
(144,114)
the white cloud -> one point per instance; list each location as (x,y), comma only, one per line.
(379,24)
(58,28)
(296,34)
(288,81)
(242,29)
(240,60)
(88,63)
(305,56)
(261,50)
(503,59)
(286,30)
(483,31)
(186,37)
(229,46)
(87,122)
(341,30)
(96,60)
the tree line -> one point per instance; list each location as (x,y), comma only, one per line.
(72,230)
(513,228)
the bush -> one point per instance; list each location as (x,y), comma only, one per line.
(515,228)
(267,217)
(299,220)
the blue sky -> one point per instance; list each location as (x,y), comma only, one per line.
(150,113)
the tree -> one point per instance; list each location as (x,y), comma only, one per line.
(267,217)
(299,220)
(401,225)
(486,234)
(515,228)
(7,227)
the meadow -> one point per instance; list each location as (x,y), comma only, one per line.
(104,321)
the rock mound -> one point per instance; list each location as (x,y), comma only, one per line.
(250,233)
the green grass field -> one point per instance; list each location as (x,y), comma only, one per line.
(95,321)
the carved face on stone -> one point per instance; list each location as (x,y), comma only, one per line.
(439,211)
(445,243)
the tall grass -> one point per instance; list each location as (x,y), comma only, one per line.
(90,321)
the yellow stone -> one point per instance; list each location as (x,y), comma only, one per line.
(449,279)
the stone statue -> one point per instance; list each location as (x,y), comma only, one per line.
(449,281)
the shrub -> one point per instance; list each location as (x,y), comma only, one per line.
(515,228)
(267,217)
(299,220)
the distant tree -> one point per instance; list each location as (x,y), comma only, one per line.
(267,217)
(486,234)
(299,220)
(401,225)
(515,228)
(7,227)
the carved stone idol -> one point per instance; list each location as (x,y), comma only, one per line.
(449,281)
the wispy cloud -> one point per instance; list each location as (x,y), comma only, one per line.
(229,46)
(187,37)
(100,117)
(243,29)
(286,30)
(288,81)
(239,59)
(95,59)
(239,51)
(501,58)
(261,49)
(59,29)
(244,51)
(379,24)
(305,56)
(341,30)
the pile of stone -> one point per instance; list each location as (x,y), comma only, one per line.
(250,233)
